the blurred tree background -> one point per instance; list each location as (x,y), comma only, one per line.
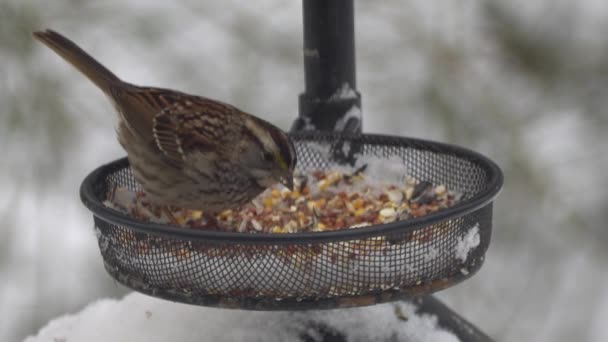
(522,82)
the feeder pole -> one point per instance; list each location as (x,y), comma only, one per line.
(331,101)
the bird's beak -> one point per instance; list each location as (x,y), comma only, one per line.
(287,181)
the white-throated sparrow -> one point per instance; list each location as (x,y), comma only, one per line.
(186,150)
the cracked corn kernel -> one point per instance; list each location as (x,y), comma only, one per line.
(196,214)
(268,202)
(388,214)
(358,203)
(360,211)
(440,190)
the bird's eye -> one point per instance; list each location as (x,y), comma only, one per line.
(267,156)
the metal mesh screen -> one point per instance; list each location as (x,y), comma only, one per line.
(346,268)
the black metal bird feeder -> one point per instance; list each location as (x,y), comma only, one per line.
(249,271)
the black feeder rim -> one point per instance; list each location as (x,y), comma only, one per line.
(91,197)
(215,275)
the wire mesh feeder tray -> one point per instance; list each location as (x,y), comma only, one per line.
(309,270)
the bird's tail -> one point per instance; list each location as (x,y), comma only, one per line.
(68,50)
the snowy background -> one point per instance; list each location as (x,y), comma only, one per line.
(523,82)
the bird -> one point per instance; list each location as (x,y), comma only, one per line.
(185,150)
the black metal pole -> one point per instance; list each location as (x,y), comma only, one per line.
(331,101)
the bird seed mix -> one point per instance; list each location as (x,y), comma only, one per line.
(322,200)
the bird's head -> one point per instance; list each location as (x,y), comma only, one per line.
(269,155)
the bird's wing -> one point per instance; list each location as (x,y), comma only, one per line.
(192,124)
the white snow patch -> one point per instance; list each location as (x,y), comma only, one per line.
(432,254)
(379,170)
(308,125)
(346,148)
(391,170)
(353,112)
(345,92)
(137,317)
(467,243)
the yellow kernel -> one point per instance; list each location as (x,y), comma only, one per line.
(320,225)
(196,214)
(268,202)
(388,214)
(180,220)
(275,193)
(310,204)
(390,205)
(360,211)
(323,185)
(277,229)
(334,177)
(358,203)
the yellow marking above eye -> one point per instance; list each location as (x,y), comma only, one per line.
(282,164)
